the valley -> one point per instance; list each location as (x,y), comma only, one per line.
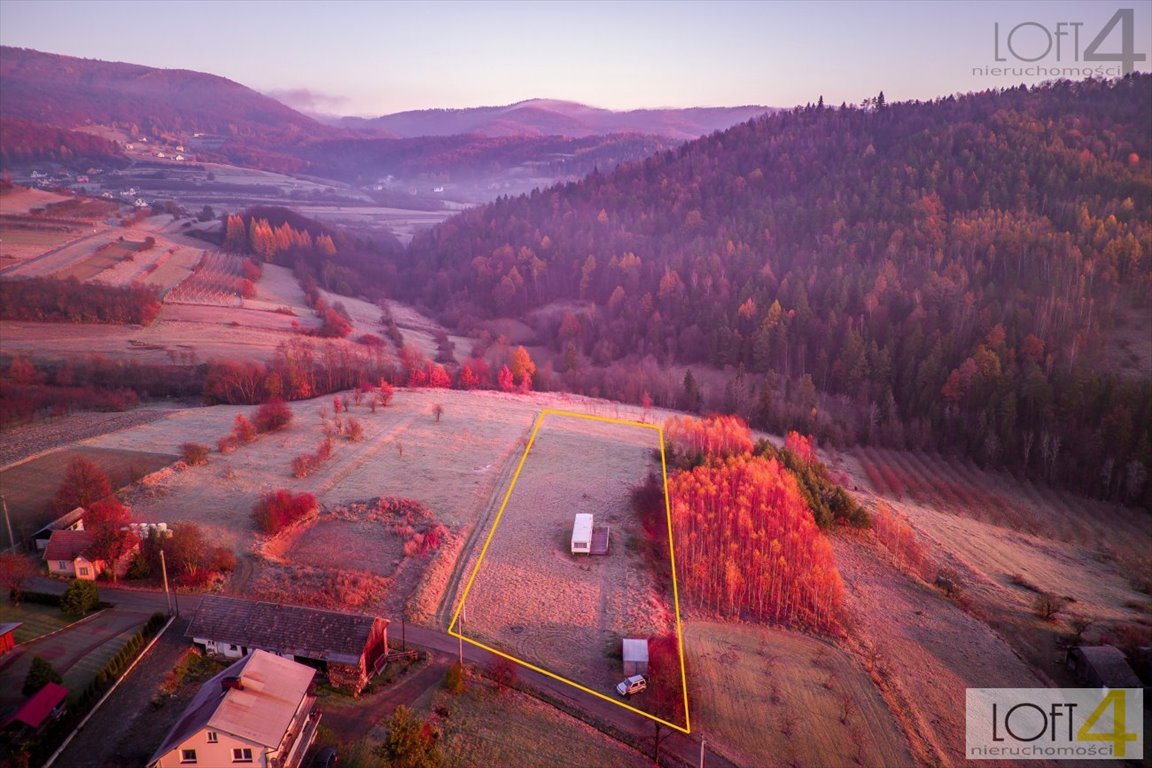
(346,422)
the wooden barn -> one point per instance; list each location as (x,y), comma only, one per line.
(350,648)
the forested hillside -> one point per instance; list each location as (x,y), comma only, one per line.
(941,275)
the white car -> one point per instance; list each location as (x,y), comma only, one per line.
(632,685)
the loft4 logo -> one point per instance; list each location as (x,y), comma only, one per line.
(1065,48)
(1032,41)
(1054,723)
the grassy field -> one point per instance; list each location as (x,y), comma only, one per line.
(566,613)
(30,487)
(484,729)
(769,696)
(18,244)
(38,620)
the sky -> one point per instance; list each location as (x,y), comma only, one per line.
(372,58)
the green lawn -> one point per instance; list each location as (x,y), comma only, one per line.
(38,620)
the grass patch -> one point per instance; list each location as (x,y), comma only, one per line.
(38,620)
(483,728)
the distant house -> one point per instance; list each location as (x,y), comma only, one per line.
(582,534)
(72,521)
(256,712)
(635,657)
(1101,666)
(45,705)
(69,554)
(350,648)
(7,635)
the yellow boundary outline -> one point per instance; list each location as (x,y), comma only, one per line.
(687,727)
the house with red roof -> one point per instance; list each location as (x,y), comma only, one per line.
(69,554)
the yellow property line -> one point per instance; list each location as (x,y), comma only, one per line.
(687,727)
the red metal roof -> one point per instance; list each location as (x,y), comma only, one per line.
(37,709)
(66,545)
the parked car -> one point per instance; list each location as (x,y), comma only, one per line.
(326,758)
(632,685)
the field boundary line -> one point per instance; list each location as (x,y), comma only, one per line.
(109,692)
(469,544)
(687,727)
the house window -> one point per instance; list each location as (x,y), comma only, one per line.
(242,755)
(62,565)
(84,571)
(187,756)
(213,737)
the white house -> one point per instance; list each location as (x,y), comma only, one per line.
(582,534)
(257,712)
(68,554)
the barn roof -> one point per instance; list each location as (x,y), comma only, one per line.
(260,710)
(67,545)
(1110,666)
(60,523)
(309,632)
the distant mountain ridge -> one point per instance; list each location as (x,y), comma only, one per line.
(68,92)
(552,117)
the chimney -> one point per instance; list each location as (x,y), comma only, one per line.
(232,684)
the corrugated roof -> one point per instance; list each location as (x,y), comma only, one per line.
(61,522)
(635,650)
(1110,665)
(67,545)
(36,710)
(273,688)
(308,632)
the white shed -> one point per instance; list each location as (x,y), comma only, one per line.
(582,534)
(635,657)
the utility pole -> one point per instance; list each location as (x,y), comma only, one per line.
(164,572)
(8,522)
(701,753)
(460,633)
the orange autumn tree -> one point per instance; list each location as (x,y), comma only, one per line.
(689,438)
(747,545)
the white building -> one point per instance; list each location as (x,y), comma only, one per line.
(582,534)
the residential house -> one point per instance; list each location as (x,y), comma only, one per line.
(71,521)
(69,554)
(257,712)
(350,648)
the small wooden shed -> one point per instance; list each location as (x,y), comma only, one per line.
(635,656)
(582,534)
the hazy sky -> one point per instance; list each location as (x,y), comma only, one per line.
(371,58)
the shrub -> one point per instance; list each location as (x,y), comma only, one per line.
(355,430)
(80,598)
(273,415)
(503,673)
(222,560)
(243,430)
(194,453)
(278,509)
(303,465)
(39,675)
(454,678)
